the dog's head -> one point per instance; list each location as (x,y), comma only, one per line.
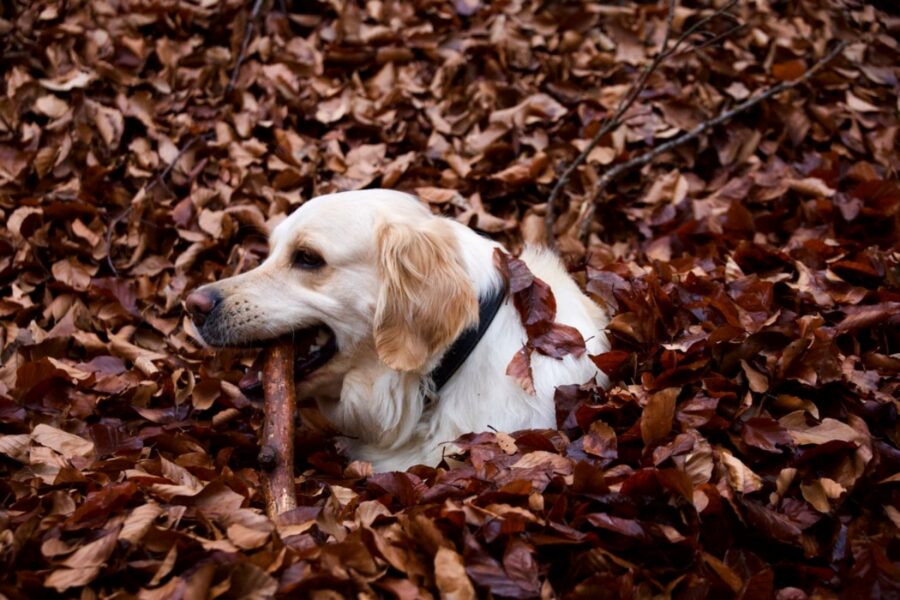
(351,276)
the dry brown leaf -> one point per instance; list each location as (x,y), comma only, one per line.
(811,186)
(828,430)
(506,442)
(601,441)
(820,492)
(450,576)
(759,383)
(724,572)
(74,79)
(73,273)
(539,458)
(656,420)
(51,106)
(139,521)
(65,443)
(858,104)
(741,478)
(142,157)
(15,446)
(84,565)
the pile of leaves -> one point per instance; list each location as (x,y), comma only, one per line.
(748,445)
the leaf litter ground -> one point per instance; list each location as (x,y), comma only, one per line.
(748,446)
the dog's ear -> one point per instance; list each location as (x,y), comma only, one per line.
(426,299)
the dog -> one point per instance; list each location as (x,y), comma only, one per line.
(382,293)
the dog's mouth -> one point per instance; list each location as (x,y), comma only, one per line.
(313,348)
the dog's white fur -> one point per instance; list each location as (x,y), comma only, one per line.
(398,287)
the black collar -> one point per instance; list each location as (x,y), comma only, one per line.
(464,345)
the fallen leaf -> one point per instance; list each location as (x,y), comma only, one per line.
(84,565)
(656,420)
(828,430)
(67,444)
(820,492)
(740,477)
(450,576)
(601,441)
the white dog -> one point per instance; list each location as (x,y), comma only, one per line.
(397,289)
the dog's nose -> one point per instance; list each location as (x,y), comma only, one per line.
(200,303)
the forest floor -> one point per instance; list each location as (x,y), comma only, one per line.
(748,446)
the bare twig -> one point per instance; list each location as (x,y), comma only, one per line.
(158,180)
(716,38)
(646,157)
(109,233)
(615,121)
(161,178)
(248,33)
(276,455)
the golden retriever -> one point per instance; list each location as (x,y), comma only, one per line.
(389,287)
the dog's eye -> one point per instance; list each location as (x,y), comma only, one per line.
(307,259)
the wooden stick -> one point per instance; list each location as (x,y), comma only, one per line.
(276,454)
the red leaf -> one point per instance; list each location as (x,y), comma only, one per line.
(609,362)
(406,488)
(514,270)
(559,340)
(764,433)
(788,70)
(771,524)
(860,317)
(535,303)
(486,571)
(627,527)
(519,563)
(119,290)
(98,505)
(600,440)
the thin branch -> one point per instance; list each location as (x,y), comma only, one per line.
(720,12)
(248,33)
(615,121)
(161,178)
(716,38)
(699,130)
(109,233)
(158,180)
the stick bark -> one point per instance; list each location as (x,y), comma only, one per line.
(276,455)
